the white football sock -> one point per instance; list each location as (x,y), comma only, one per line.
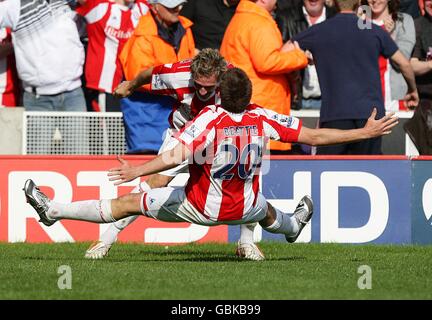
(247,232)
(91,210)
(284,223)
(110,235)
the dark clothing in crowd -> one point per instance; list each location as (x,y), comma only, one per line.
(419,127)
(423,27)
(346,58)
(210,18)
(291,19)
(411,7)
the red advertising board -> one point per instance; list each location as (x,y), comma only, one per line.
(75,178)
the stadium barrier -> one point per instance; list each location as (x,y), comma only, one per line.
(77,133)
(360,199)
(103,133)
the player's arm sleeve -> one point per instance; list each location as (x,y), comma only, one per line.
(198,133)
(9,13)
(266,56)
(280,127)
(161,81)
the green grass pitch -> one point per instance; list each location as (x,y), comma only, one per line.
(211,271)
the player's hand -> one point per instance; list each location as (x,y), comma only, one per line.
(123,90)
(412,100)
(376,128)
(122,174)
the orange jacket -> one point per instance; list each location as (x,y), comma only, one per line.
(146,49)
(252,42)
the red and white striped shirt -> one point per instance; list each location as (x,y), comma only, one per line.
(224,183)
(9,85)
(109,26)
(176,81)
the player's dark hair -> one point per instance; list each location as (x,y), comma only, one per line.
(235,90)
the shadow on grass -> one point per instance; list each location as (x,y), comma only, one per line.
(156,255)
(201,257)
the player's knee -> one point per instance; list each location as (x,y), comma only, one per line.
(269,217)
(158,181)
(128,203)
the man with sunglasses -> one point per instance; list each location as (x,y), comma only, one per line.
(194,85)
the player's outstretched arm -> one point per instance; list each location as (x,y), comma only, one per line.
(164,161)
(373,128)
(126,88)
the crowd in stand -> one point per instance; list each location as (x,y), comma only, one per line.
(70,55)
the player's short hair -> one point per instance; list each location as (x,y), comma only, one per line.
(347,4)
(235,90)
(208,62)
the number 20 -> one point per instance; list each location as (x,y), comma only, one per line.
(224,172)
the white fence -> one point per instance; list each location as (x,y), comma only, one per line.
(73,133)
(103,133)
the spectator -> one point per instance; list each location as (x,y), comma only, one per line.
(48,52)
(291,21)
(419,127)
(400,26)
(9,85)
(421,60)
(109,25)
(162,36)
(253,42)
(346,56)
(210,19)
(49,57)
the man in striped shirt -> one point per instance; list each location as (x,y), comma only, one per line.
(223,185)
(109,25)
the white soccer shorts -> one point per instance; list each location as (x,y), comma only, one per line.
(171,205)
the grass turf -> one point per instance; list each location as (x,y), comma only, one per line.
(211,271)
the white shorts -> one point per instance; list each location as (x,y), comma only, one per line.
(171,205)
(169,143)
